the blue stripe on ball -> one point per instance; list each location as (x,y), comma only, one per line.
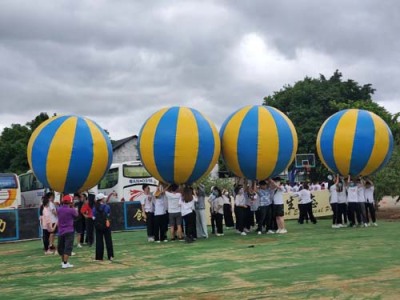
(164,149)
(285,142)
(247,141)
(364,142)
(81,157)
(327,139)
(206,147)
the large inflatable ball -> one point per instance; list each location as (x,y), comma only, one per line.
(178,145)
(354,142)
(258,142)
(69,153)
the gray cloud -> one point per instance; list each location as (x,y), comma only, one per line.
(117,62)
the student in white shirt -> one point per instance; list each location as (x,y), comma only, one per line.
(352,202)
(217,209)
(305,204)
(361,202)
(240,209)
(54,220)
(173,196)
(148,211)
(370,201)
(228,218)
(342,203)
(279,211)
(160,214)
(187,210)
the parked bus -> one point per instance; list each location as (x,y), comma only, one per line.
(123,182)
(32,190)
(10,192)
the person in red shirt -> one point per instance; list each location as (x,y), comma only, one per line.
(87,213)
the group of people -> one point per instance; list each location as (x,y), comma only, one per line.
(256,206)
(352,201)
(75,215)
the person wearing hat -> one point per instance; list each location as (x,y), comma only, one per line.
(101,217)
(66,215)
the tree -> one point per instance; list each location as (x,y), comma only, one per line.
(387,181)
(308,103)
(13,145)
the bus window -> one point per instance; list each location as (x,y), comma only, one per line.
(8,182)
(24,181)
(109,180)
(135,172)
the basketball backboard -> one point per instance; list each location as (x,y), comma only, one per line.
(306,160)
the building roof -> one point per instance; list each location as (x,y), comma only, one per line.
(121,142)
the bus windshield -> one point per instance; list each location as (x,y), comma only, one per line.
(8,182)
(135,172)
(109,180)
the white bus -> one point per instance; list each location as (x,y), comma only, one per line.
(32,190)
(123,182)
(10,192)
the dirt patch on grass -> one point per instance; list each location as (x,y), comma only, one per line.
(390,214)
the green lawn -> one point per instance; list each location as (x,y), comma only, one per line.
(311,261)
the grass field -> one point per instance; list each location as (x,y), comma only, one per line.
(311,261)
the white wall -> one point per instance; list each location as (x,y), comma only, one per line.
(126,152)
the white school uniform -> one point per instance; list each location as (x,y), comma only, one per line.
(334,194)
(352,194)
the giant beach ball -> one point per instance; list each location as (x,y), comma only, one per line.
(258,142)
(69,153)
(179,145)
(354,142)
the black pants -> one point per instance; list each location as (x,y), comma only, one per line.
(150,224)
(228,218)
(309,211)
(213,221)
(240,218)
(353,211)
(274,224)
(101,236)
(249,218)
(89,225)
(342,213)
(65,243)
(160,228)
(45,238)
(335,216)
(190,226)
(370,209)
(218,221)
(302,213)
(265,217)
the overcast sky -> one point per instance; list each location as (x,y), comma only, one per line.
(117,62)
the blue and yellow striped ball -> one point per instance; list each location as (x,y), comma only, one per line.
(354,142)
(179,145)
(69,153)
(258,142)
